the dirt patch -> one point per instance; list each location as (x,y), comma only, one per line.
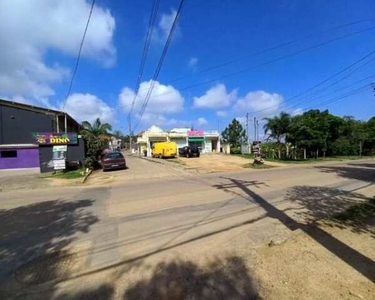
(207,163)
(301,268)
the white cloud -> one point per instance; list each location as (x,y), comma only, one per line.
(259,101)
(36,27)
(193,62)
(242,120)
(202,121)
(297,111)
(215,97)
(164,99)
(87,107)
(221,113)
(164,26)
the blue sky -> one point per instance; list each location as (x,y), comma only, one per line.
(37,61)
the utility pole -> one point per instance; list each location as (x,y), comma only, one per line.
(130,135)
(255,129)
(247,129)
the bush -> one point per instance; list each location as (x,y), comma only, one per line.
(342,146)
(235,150)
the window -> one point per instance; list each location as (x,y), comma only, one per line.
(8,154)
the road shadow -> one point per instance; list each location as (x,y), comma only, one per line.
(222,279)
(31,232)
(321,202)
(364,165)
(349,255)
(354,171)
(103,292)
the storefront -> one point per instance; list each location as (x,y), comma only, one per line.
(196,138)
(29,134)
(206,141)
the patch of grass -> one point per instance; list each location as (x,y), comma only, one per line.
(245,155)
(319,160)
(357,212)
(68,174)
(251,166)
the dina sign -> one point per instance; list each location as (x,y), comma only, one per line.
(55,138)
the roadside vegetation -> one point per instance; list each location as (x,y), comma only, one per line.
(70,174)
(96,136)
(310,137)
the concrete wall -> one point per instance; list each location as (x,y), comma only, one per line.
(26,158)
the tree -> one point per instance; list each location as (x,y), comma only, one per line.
(96,137)
(310,130)
(234,134)
(278,126)
(97,128)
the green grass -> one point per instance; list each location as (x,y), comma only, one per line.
(245,155)
(357,212)
(320,159)
(68,174)
(259,167)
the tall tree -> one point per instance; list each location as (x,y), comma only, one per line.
(277,127)
(97,128)
(310,130)
(234,134)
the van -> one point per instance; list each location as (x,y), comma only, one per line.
(164,149)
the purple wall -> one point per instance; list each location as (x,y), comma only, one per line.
(26,158)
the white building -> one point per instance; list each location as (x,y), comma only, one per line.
(207,141)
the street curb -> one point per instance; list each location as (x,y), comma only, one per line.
(86,176)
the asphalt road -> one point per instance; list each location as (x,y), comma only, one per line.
(184,215)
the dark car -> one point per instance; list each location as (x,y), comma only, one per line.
(189,151)
(113,161)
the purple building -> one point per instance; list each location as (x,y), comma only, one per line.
(28,134)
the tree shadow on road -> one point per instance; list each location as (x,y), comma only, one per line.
(33,239)
(103,292)
(321,202)
(221,279)
(354,171)
(349,255)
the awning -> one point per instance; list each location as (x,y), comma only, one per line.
(196,139)
(18,146)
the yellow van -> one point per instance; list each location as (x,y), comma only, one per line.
(164,149)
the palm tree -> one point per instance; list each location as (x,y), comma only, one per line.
(97,128)
(278,126)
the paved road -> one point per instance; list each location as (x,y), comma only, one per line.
(117,228)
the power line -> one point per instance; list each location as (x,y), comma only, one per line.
(160,63)
(323,81)
(330,101)
(271,61)
(335,91)
(283,44)
(79,54)
(146,47)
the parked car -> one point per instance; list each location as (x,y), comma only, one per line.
(189,151)
(113,161)
(164,149)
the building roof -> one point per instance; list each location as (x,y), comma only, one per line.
(37,109)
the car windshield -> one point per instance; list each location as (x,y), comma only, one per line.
(114,155)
